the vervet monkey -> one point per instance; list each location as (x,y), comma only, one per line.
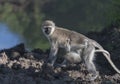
(70,40)
(75,52)
(75,56)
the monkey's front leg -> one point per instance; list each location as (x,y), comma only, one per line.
(67,49)
(52,56)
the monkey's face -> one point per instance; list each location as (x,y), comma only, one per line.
(48,27)
(47,30)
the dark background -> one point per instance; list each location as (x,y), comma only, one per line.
(25,16)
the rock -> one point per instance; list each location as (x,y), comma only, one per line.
(15,52)
(19,48)
(14,55)
(3,58)
(39,51)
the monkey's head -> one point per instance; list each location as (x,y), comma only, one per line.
(48,27)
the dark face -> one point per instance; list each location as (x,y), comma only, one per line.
(47,30)
(48,27)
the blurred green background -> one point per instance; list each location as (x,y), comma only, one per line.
(25,16)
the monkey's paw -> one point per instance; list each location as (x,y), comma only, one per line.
(92,77)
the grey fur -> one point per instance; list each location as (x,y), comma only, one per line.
(75,44)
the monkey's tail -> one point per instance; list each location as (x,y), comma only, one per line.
(103,51)
(109,60)
(97,45)
(106,54)
(112,64)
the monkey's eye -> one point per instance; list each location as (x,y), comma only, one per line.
(47,27)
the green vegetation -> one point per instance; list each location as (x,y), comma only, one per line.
(25,17)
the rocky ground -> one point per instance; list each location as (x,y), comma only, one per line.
(19,66)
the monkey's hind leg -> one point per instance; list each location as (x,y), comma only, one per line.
(89,56)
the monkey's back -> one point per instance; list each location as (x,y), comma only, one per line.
(61,35)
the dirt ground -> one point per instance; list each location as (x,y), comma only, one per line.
(19,66)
